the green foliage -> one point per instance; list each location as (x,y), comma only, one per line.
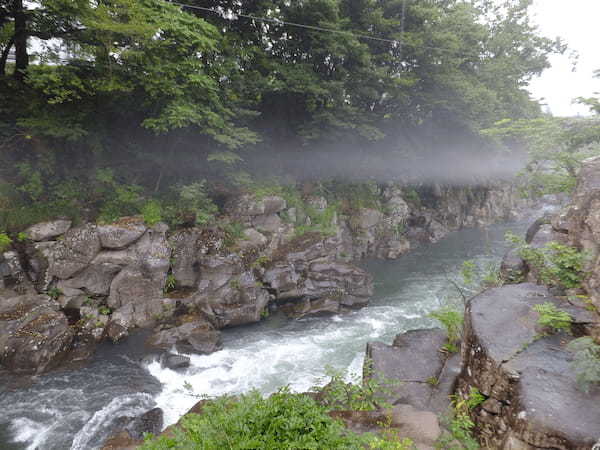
(283,420)
(412,196)
(366,393)
(54,293)
(5,242)
(556,149)
(557,264)
(170,283)
(152,212)
(320,221)
(452,321)
(190,205)
(234,231)
(468,272)
(586,362)
(460,424)
(104,310)
(552,318)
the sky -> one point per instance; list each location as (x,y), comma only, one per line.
(578,23)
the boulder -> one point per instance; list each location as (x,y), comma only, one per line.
(34,335)
(73,254)
(131,285)
(228,292)
(421,426)
(187,248)
(198,336)
(417,372)
(248,205)
(513,268)
(95,279)
(532,399)
(130,431)
(174,362)
(121,234)
(150,422)
(12,274)
(47,230)
(143,314)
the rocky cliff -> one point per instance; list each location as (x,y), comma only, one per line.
(66,287)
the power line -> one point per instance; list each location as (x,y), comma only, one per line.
(396,42)
(293,24)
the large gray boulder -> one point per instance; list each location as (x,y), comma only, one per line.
(73,254)
(12,274)
(532,399)
(34,335)
(414,369)
(47,230)
(305,279)
(196,336)
(121,234)
(229,292)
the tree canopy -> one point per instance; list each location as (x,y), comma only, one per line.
(159,91)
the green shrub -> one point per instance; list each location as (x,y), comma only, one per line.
(281,421)
(452,320)
(553,318)
(170,283)
(557,264)
(191,203)
(5,242)
(586,362)
(364,393)
(412,196)
(460,424)
(152,212)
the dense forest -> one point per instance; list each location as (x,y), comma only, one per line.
(108,104)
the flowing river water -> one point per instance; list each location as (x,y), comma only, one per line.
(76,409)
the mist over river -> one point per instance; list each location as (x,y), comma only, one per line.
(77,408)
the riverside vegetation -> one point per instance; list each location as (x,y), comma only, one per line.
(149,109)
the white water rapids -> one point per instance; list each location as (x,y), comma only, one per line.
(76,409)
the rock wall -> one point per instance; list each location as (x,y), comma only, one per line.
(98,281)
(532,397)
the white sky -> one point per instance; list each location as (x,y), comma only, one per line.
(578,23)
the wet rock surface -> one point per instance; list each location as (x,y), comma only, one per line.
(34,335)
(415,369)
(532,396)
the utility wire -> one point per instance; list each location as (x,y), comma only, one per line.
(293,24)
(396,42)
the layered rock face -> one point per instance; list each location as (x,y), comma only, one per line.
(532,396)
(105,280)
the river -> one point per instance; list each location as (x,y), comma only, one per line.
(76,408)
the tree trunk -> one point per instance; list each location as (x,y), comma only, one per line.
(20,39)
(4,56)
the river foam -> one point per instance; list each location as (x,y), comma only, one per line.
(76,409)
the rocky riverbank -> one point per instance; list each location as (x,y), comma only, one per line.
(529,395)
(66,287)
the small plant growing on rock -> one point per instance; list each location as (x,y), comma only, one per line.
(557,264)
(104,310)
(586,362)
(452,321)
(553,319)
(54,293)
(367,394)
(460,424)
(170,283)
(5,242)
(152,212)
